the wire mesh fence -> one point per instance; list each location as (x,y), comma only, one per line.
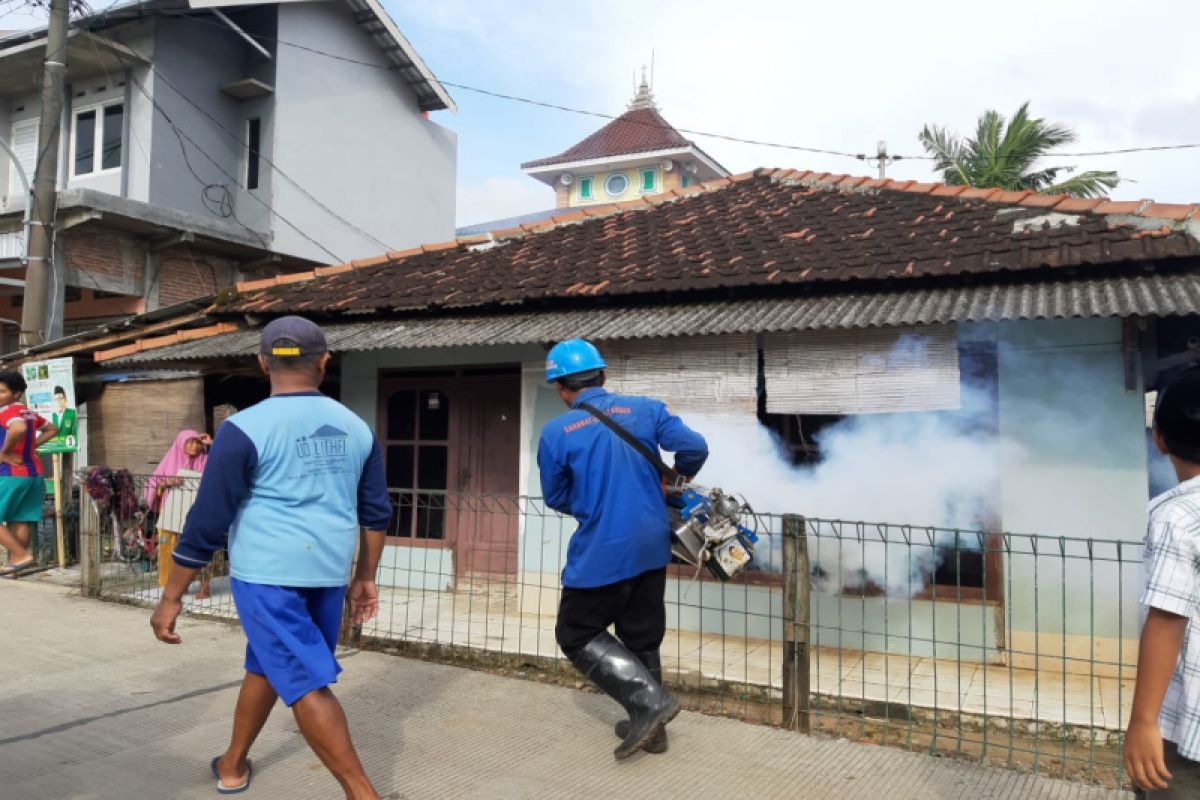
(1011,650)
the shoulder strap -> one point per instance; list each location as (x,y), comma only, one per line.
(668,473)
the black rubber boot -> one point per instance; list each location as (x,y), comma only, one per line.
(624,678)
(656,744)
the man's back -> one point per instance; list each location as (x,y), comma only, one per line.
(289,474)
(611,489)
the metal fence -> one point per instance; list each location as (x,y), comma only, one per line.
(1011,650)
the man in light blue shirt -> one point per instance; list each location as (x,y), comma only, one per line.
(297,481)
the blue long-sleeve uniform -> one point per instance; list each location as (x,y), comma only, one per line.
(611,489)
(291,480)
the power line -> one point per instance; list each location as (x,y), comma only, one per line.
(104,17)
(692,132)
(270,163)
(182,135)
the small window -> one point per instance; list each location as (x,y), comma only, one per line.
(85,142)
(253,143)
(585,189)
(648,180)
(114,128)
(97,137)
(616,184)
(687,181)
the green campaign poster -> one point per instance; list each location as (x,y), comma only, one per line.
(51,393)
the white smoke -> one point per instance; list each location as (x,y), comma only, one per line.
(928,469)
(924,469)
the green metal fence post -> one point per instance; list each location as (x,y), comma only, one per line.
(797,586)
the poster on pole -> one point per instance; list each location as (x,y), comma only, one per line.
(51,393)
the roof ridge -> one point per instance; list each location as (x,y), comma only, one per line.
(176,337)
(1144,209)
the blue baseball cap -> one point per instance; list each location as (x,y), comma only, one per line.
(291,337)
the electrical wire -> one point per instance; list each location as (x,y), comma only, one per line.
(104,18)
(183,136)
(692,132)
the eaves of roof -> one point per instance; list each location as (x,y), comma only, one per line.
(1154,295)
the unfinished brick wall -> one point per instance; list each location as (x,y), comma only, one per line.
(106,259)
(186,274)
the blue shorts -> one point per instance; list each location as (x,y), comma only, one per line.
(291,633)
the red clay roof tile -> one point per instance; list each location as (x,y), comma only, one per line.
(1042,200)
(336,269)
(1173,211)
(300,277)
(1074,205)
(1121,207)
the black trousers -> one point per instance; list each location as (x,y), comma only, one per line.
(636,607)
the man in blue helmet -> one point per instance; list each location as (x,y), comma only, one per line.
(617,560)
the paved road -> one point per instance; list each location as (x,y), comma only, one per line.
(95,708)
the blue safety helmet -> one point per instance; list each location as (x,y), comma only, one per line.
(572,357)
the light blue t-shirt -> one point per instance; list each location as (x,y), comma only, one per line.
(292,480)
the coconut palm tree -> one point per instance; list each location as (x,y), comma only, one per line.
(1005,155)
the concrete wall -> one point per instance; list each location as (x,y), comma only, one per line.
(197,60)
(354,137)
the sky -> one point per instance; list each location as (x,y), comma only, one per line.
(838,76)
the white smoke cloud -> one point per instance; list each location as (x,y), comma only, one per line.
(929,469)
(925,469)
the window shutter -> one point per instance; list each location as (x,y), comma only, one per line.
(24,144)
(713,374)
(869,371)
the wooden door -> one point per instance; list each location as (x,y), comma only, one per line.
(488,458)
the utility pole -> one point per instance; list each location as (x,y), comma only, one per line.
(45,182)
(881,155)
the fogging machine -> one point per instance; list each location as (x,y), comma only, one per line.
(706,524)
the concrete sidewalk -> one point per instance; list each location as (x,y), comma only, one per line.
(95,708)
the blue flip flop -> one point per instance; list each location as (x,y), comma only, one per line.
(222,788)
(16,570)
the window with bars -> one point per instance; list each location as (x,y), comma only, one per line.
(417,459)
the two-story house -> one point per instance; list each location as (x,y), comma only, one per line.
(205,142)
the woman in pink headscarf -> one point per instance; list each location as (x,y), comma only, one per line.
(170,492)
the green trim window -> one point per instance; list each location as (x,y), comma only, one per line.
(648,180)
(687,180)
(585,189)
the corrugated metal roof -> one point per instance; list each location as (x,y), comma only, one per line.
(1147,295)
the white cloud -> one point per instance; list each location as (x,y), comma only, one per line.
(501,197)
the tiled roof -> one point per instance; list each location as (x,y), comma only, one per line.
(641,130)
(753,232)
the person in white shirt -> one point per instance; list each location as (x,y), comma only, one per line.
(1162,745)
